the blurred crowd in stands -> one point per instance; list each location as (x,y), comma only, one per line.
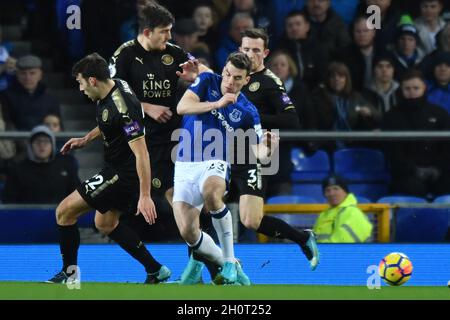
(341,74)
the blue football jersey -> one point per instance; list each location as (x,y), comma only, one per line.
(208,136)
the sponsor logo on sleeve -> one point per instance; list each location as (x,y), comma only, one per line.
(190,56)
(285,98)
(132,129)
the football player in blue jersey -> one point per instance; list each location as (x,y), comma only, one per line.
(213,106)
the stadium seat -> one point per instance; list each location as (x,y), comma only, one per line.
(312,168)
(296,220)
(421,224)
(309,171)
(442,199)
(394,199)
(34,225)
(369,190)
(361,164)
(288,199)
(363,199)
(364,169)
(311,190)
(417,224)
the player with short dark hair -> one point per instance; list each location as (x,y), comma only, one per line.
(266,91)
(151,66)
(123,185)
(213,103)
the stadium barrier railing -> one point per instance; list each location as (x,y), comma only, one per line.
(380,210)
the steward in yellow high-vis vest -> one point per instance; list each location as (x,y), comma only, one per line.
(343,222)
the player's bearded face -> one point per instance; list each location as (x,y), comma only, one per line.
(158,37)
(233,79)
(87,88)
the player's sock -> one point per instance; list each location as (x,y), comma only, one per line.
(128,240)
(224,227)
(69,242)
(277,228)
(213,268)
(206,247)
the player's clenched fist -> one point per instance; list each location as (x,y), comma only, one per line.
(227,98)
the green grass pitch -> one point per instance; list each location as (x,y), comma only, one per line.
(128,291)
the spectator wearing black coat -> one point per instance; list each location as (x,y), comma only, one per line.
(443,45)
(43,177)
(359,55)
(310,56)
(337,107)
(382,90)
(326,24)
(27,99)
(418,168)
(406,53)
(390,17)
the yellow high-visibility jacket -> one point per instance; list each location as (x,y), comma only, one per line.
(345,223)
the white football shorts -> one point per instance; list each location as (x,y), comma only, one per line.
(190,177)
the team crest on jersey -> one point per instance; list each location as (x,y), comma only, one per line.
(105,115)
(156,183)
(235,115)
(167,59)
(254,86)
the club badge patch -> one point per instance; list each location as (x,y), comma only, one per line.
(105,115)
(156,183)
(167,59)
(254,86)
(235,115)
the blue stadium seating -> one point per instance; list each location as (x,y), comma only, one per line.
(292,219)
(401,199)
(364,169)
(360,164)
(312,190)
(34,225)
(289,199)
(442,199)
(363,199)
(309,171)
(312,168)
(421,225)
(369,190)
(417,224)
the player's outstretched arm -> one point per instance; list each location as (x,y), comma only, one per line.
(190,103)
(77,143)
(268,144)
(145,204)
